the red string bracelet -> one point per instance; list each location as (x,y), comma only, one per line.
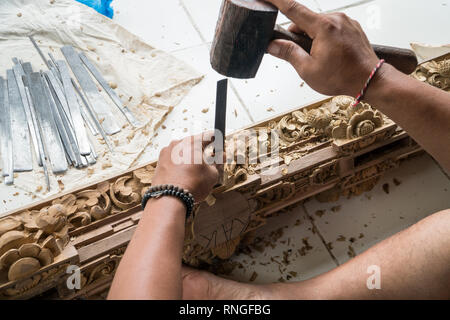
(364,89)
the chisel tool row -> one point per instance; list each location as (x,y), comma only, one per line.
(48,112)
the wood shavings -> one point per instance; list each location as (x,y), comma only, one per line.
(106,165)
(113,85)
(19,14)
(185,110)
(341,238)
(270,109)
(205,110)
(39,188)
(351,252)
(61,185)
(284,171)
(320,213)
(254,276)
(386,188)
(336,208)
(185,130)
(163,127)
(397,182)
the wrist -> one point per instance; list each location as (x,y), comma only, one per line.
(382,83)
(169,204)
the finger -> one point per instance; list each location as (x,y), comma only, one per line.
(291,52)
(208,137)
(295,28)
(304,18)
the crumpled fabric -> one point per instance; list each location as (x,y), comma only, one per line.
(149,81)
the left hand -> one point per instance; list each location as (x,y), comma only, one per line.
(182,164)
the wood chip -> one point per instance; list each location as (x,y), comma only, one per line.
(253,277)
(386,188)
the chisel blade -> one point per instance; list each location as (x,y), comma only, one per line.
(19,73)
(74,108)
(101,108)
(22,157)
(52,141)
(221,113)
(5,134)
(112,94)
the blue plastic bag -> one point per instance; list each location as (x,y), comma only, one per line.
(101,6)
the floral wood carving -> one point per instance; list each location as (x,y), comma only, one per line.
(435,73)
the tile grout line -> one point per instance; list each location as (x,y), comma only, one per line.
(191,19)
(352,5)
(311,220)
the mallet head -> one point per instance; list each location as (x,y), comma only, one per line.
(243,33)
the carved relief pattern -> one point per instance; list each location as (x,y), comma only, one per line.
(435,73)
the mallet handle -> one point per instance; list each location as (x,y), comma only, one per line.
(403,59)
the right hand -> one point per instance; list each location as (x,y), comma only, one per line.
(341,57)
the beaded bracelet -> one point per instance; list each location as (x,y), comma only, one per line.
(364,89)
(170,190)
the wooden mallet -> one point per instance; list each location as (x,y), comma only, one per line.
(246,27)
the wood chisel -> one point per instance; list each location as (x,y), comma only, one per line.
(220,123)
(22,157)
(74,108)
(19,73)
(112,94)
(39,134)
(91,113)
(62,124)
(221,114)
(88,86)
(50,135)
(5,134)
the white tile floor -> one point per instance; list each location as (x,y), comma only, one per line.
(186,28)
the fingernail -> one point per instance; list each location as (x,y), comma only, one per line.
(274,48)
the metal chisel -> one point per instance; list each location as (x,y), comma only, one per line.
(19,73)
(221,113)
(50,135)
(74,107)
(91,113)
(62,124)
(22,157)
(220,123)
(112,94)
(97,102)
(5,134)
(39,134)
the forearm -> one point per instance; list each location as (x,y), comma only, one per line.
(151,266)
(422,110)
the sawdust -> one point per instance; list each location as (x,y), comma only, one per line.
(205,110)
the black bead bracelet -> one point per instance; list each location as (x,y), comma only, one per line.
(170,190)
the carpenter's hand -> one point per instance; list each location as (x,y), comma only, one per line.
(182,164)
(341,57)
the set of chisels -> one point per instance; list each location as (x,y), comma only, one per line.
(50,112)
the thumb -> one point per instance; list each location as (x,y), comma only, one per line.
(289,51)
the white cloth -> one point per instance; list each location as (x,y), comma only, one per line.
(149,81)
